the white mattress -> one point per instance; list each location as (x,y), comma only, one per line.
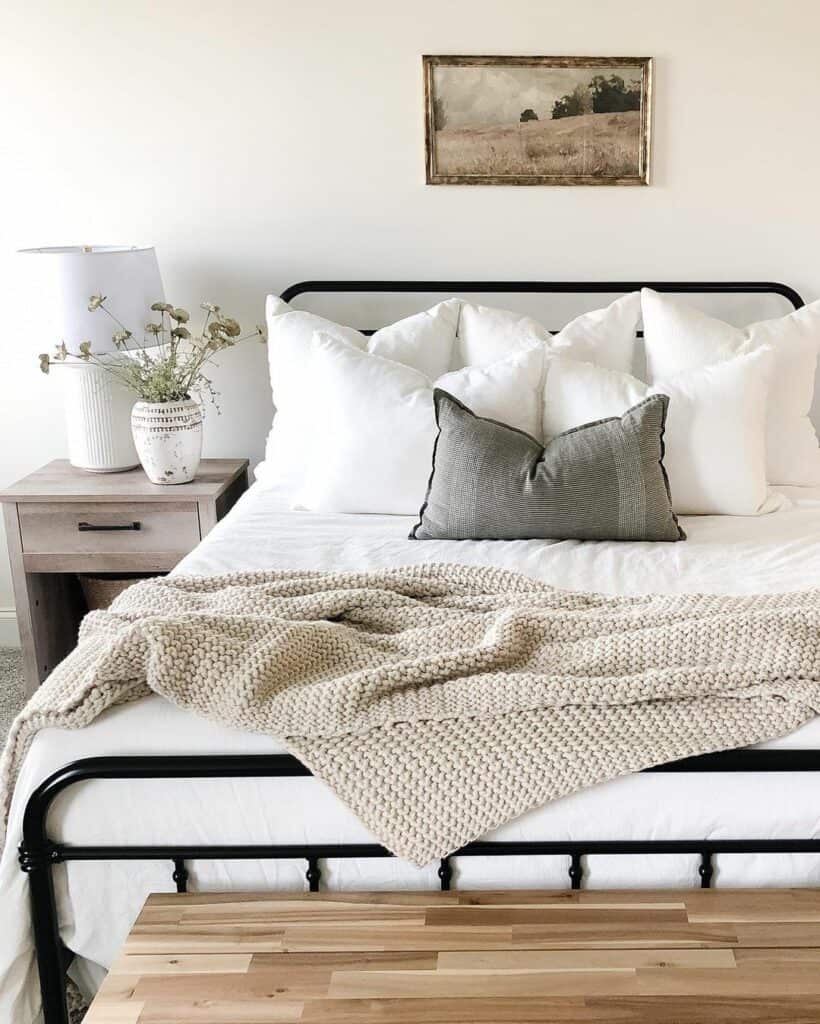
(98,902)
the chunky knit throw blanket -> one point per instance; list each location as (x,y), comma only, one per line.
(441,701)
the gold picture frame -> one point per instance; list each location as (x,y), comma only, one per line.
(497,120)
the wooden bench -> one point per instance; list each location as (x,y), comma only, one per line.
(694,956)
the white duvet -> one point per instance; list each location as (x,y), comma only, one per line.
(98,902)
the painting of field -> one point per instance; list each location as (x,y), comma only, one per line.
(491,122)
(587,144)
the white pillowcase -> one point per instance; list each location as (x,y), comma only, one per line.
(373,422)
(509,390)
(373,430)
(715,434)
(679,337)
(605,336)
(424,342)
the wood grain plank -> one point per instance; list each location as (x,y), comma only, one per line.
(424,985)
(555,916)
(569,1010)
(362,961)
(196,963)
(582,960)
(121,1013)
(259,1011)
(702,1009)
(367,938)
(746,980)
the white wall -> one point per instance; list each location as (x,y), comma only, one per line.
(258,142)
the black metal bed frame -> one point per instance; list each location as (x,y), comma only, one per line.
(38,853)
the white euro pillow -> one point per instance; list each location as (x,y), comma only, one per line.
(423,341)
(373,432)
(373,422)
(715,436)
(509,390)
(678,337)
(605,336)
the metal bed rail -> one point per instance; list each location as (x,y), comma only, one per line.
(549,287)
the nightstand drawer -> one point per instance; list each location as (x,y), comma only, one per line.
(102,528)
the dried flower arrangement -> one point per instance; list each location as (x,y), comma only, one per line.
(174,368)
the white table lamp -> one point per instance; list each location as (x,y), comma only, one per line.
(98,408)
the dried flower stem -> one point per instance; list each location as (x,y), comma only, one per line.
(173,370)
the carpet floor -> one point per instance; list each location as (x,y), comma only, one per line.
(12,696)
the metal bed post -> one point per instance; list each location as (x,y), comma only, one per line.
(51,953)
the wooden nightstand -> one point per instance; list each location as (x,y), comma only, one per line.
(61,521)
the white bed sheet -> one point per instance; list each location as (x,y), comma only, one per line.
(98,902)
(723,554)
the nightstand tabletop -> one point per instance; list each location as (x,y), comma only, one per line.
(60,481)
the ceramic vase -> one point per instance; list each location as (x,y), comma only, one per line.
(168,438)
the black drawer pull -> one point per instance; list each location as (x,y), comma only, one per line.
(93,527)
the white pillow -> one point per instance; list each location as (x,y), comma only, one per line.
(424,341)
(715,434)
(510,390)
(373,430)
(373,422)
(605,337)
(679,337)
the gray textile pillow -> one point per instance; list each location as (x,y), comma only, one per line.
(601,481)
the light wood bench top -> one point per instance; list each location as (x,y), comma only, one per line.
(693,956)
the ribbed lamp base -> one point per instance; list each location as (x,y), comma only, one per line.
(98,420)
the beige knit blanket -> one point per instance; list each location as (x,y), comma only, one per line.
(441,701)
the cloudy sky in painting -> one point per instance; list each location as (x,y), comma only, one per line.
(494,95)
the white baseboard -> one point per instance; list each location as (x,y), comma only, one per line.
(9,634)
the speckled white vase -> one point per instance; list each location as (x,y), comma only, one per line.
(168,437)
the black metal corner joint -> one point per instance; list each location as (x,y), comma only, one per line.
(36,857)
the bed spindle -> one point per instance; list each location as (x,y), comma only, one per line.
(576,869)
(313,874)
(180,875)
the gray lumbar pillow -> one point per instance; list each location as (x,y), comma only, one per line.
(601,481)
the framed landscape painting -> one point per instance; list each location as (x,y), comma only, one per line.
(537,120)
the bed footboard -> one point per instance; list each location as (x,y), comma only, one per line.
(38,853)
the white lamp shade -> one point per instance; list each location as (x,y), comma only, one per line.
(64,278)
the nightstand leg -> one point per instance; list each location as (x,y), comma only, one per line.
(49,609)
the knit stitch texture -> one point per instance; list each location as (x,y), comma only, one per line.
(441,701)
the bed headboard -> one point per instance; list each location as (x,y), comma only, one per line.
(563,289)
